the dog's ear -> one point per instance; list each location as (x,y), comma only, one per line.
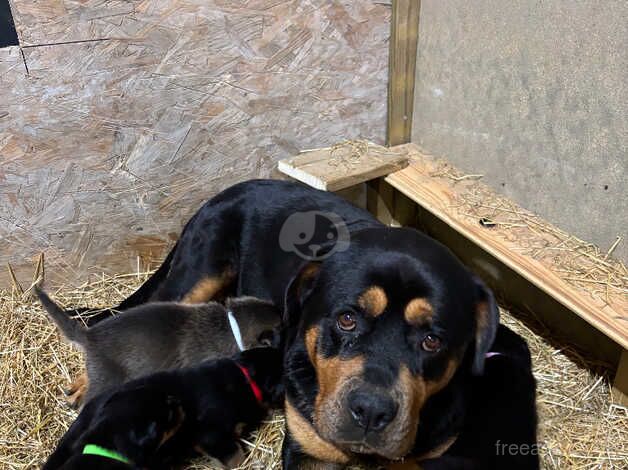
(299,288)
(486,323)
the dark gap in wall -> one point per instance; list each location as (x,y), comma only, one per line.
(8,34)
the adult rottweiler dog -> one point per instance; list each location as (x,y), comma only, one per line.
(384,327)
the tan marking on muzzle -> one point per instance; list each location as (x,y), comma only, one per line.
(409,463)
(311,338)
(208,288)
(373,300)
(332,373)
(308,439)
(418,312)
(417,390)
(436,385)
(439,450)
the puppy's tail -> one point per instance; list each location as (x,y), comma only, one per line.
(71,329)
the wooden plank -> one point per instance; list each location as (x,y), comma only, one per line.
(620,384)
(404,37)
(442,199)
(343,165)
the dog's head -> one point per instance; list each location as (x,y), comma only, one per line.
(385,325)
(265,365)
(138,420)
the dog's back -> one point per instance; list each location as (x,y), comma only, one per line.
(163,335)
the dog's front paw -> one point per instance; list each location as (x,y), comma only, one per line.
(76,391)
(235,459)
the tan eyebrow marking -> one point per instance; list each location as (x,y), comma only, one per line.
(373,300)
(418,312)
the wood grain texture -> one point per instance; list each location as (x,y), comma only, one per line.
(514,246)
(404,38)
(620,383)
(339,167)
(134,112)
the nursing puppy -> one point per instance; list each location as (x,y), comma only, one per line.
(160,336)
(163,419)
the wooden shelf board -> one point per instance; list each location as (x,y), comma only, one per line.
(440,197)
(344,165)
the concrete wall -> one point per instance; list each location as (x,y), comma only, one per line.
(119,118)
(532,94)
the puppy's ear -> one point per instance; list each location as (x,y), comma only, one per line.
(298,290)
(486,323)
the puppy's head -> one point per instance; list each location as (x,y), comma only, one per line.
(266,369)
(257,319)
(139,420)
(385,325)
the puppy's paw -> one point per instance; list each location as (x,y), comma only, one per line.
(76,391)
(235,459)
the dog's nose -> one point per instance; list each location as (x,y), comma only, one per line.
(370,410)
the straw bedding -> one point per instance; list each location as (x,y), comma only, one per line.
(579,426)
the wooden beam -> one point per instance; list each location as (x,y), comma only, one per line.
(620,384)
(435,195)
(404,38)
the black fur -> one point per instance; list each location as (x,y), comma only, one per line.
(204,408)
(162,335)
(240,231)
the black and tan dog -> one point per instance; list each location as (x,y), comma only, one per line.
(384,328)
(163,419)
(160,336)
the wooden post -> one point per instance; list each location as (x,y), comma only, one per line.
(404,36)
(620,384)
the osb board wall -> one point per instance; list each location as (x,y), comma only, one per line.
(119,118)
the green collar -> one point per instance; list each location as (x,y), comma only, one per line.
(93,449)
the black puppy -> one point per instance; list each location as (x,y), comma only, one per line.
(163,419)
(120,429)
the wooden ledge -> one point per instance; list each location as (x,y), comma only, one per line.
(518,239)
(344,165)
(567,282)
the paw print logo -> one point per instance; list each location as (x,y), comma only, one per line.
(314,235)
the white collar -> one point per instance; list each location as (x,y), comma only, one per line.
(235,329)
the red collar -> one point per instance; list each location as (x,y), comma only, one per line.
(254,387)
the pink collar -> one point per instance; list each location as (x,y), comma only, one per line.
(492,354)
(254,387)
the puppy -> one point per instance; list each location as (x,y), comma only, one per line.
(160,336)
(120,430)
(163,419)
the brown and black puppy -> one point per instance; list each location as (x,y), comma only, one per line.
(161,420)
(160,336)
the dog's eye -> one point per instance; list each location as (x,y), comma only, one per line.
(431,343)
(346,321)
